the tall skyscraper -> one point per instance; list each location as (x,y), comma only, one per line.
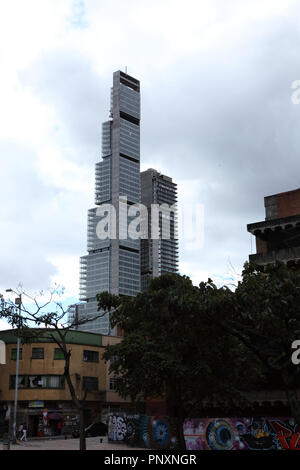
(159,255)
(113,263)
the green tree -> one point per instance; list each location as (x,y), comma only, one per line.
(265,317)
(172,348)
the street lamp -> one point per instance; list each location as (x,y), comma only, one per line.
(18,301)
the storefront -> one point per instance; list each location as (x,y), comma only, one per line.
(47,418)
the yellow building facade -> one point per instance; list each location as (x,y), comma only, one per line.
(44,401)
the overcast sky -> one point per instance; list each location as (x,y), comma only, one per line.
(217,117)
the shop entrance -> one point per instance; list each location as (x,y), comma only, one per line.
(33,425)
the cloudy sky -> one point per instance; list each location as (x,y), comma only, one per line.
(217,116)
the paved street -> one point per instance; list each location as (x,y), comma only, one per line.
(92,443)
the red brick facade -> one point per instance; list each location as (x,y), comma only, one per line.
(288,203)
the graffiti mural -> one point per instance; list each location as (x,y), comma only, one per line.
(141,430)
(159,432)
(242,434)
(123,428)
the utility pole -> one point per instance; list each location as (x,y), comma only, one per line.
(18,301)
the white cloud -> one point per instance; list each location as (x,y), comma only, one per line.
(67,274)
(216,109)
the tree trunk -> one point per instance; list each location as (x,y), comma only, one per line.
(79,404)
(180,434)
(179,416)
(81,429)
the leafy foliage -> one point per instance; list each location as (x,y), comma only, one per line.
(171,347)
(208,343)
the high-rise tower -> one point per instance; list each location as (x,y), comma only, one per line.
(113,263)
(159,255)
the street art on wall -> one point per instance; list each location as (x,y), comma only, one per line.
(141,430)
(122,428)
(242,434)
(206,433)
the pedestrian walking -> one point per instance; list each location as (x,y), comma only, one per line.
(24,435)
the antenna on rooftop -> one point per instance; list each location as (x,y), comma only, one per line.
(126,69)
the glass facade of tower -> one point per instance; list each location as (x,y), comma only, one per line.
(113,264)
(159,256)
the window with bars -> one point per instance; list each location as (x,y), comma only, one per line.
(37,381)
(37,353)
(90,356)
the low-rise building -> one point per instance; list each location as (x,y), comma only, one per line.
(278,236)
(44,399)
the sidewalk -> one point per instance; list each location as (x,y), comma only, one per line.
(92,443)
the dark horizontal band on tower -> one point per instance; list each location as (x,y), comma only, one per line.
(132,159)
(129,81)
(126,248)
(129,118)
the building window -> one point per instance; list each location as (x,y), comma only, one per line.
(37,381)
(90,383)
(58,354)
(37,353)
(113,384)
(90,356)
(114,359)
(22,381)
(14,354)
(55,381)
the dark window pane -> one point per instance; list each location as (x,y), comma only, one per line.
(12,381)
(58,354)
(90,356)
(90,383)
(37,353)
(22,381)
(14,354)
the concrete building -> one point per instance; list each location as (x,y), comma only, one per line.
(159,256)
(113,264)
(278,236)
(43,395)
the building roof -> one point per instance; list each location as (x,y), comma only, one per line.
(292,191)
(42,335)
(272,224)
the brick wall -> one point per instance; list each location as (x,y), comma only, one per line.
(288,203)
(282,204)
(261,246)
